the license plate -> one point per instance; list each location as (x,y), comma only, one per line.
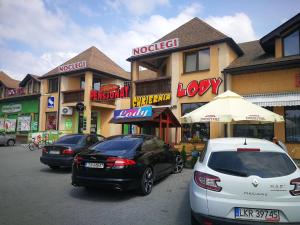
(268,215)
(95,165)
(54,152)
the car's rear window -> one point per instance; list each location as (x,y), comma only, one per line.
(70,139)
(117,145)
(244,164)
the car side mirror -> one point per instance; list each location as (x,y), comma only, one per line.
(195,154)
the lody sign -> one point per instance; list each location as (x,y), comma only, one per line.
(141,112)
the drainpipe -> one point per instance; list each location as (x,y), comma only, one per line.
(58,109)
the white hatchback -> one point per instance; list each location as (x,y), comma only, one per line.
(244,181)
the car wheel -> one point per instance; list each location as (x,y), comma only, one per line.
(10,142)
(193,220)
(54,167)
(178,164)
(146,182)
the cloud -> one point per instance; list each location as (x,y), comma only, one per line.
(238,26)
(137,7)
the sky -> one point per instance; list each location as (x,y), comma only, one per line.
(39,35)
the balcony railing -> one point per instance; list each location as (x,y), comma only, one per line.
(153,86)
(73,96)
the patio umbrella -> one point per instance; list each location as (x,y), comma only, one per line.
(230,107)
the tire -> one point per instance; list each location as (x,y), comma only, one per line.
(146,182)
(193,220)
(10,142)
(32,147)
(54,167)
(178,164)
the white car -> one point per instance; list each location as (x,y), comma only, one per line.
(244,181)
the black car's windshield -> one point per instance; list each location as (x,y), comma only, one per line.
(121,145)
(70,139)
(244,164)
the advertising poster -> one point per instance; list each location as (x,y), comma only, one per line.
(2,124)
(24,123)
(10,125)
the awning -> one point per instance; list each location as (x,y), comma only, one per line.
(275,99)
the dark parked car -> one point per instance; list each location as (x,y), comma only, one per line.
(61,153)
(126,162)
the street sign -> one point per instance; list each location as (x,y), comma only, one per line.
(51,102)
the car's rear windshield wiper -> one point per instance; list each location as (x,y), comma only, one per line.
(231,172)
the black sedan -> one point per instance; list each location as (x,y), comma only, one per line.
(126,162)
(61,153)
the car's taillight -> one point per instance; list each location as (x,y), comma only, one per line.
(118,163)
(68,151)
(296,183)
(207,181)
(77,160)
(248,150)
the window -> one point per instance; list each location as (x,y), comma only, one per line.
(82,82)
(29,87)
(194,132)
(292,124)
(36,87)
(263,131)
(245,164)
(51,121)
(70,139)
(96,83)
(291,44)
(53,85)
(196,61)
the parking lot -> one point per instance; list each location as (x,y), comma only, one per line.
(31,193)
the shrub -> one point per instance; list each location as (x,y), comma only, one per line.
(183,153)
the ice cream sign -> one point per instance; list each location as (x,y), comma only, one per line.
(199,87)
(140,112)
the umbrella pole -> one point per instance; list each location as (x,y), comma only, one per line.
(228,130)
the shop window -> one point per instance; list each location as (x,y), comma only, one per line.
(197,61)
(291,44)
(82,82)
(53,85)
(96,83)
(51,121)
(292,124)
(194,132)
(262,131)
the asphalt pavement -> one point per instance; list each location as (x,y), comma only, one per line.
(31,193)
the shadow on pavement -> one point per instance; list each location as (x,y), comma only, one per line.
(97,194)
(183,214)
(57,171)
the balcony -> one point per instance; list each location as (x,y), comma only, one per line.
(73,96)
(153,86)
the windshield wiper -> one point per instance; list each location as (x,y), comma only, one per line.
(231,172)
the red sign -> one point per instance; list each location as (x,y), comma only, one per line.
(297,80)
(72,66)
(106,93)
(159,46)
(199,87)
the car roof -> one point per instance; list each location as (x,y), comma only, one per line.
(232,144)
(132,136)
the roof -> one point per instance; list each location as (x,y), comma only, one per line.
(7,81)
(27,78)
(268,41)
(194,33)
(255,55)
(275,99)
(95,60)
(225,144)
(153,120)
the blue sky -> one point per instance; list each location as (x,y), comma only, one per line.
(37,35)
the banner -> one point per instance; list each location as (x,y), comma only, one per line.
(10,125)
(133,113)
(12,108)
(24,123)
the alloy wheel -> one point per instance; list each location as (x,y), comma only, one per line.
(178,164)
(147,181)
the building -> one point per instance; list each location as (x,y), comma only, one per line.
(81,95)
(189,66)
(19,105)
(268,74)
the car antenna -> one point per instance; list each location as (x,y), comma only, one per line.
(245,143)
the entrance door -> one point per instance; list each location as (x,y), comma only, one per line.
(80,123)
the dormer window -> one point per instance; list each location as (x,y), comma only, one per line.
(291,44)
